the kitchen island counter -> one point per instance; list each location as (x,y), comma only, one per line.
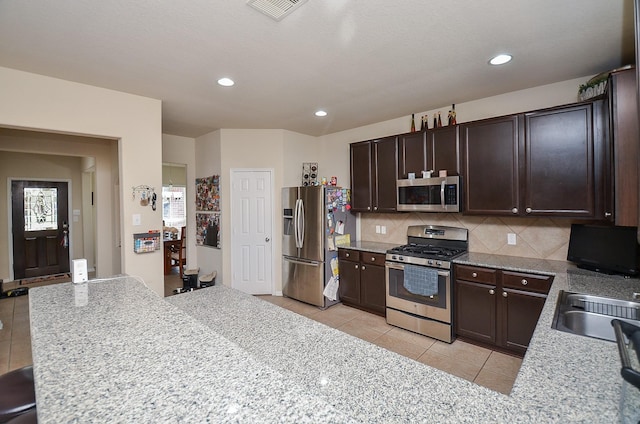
(564,377)
(120,353)
(114,351)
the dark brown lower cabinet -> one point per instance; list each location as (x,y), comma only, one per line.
(498,308)
(362,280)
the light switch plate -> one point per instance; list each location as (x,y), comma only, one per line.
(511,239)
(137,219)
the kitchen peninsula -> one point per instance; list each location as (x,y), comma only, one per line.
(121,353)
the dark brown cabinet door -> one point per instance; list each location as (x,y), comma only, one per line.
(476,311)
(444,149)
(385,169)
(490,155)
(412,155)
(373,288)
(520,313)
(560,162)
(361,176)
(349,282)
(623,111)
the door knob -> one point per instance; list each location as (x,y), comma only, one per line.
(267,239)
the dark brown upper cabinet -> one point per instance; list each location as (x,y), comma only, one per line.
(490,155)
(435,150)
(548,162)
(373,175)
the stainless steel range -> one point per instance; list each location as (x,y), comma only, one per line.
(418,276)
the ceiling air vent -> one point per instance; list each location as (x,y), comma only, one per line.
(276,9)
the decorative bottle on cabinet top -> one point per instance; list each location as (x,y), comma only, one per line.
(413,123)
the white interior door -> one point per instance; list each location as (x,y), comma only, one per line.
(251,231)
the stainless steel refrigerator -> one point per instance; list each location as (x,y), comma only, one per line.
(316,220)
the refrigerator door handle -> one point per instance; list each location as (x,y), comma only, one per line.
(299,262)
(302,219)
(296,223)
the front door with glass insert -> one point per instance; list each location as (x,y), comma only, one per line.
(40,228)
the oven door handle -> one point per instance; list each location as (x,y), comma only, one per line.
(442,194)
(400,267)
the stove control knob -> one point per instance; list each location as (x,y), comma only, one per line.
(430,262)
(438,263)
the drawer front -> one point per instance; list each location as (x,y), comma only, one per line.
(349,255)
(475,274)
(372,258)
(529,282)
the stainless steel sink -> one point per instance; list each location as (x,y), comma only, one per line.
(591,316)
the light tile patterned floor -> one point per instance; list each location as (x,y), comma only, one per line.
(488,368)
(494,370)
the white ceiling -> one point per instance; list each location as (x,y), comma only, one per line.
(363,61)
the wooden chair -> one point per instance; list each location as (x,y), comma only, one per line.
(179,255)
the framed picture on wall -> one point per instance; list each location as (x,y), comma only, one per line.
(208,229)
(208,194)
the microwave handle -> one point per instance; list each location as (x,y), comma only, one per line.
(442,194)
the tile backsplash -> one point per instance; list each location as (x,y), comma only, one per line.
(540,238)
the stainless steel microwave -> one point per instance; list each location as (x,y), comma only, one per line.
(436,194)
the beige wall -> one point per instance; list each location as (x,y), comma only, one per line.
(208,163)
(31,101)
(38,167)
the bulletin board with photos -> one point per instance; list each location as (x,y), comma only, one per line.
(208,211)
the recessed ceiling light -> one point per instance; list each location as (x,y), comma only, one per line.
(226,82)
(321,113)
(500,59)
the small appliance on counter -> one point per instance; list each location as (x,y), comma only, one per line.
(316,222)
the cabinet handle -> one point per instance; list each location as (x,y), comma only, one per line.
(474,274)
(357,267)
(524,282)
(504,294)
(368,208)
(347,255)
(492,291)
(373,259)
(528,210)
(375,208)
(363,267)
(514,210)
(607,214)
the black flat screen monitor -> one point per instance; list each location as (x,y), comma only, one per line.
(610,250)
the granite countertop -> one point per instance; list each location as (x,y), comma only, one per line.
(121,353)
(563,378)
(370,246)
(114,351)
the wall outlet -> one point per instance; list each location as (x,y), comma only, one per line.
(383,229)
(511,239)
(377,229)
(137,219)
